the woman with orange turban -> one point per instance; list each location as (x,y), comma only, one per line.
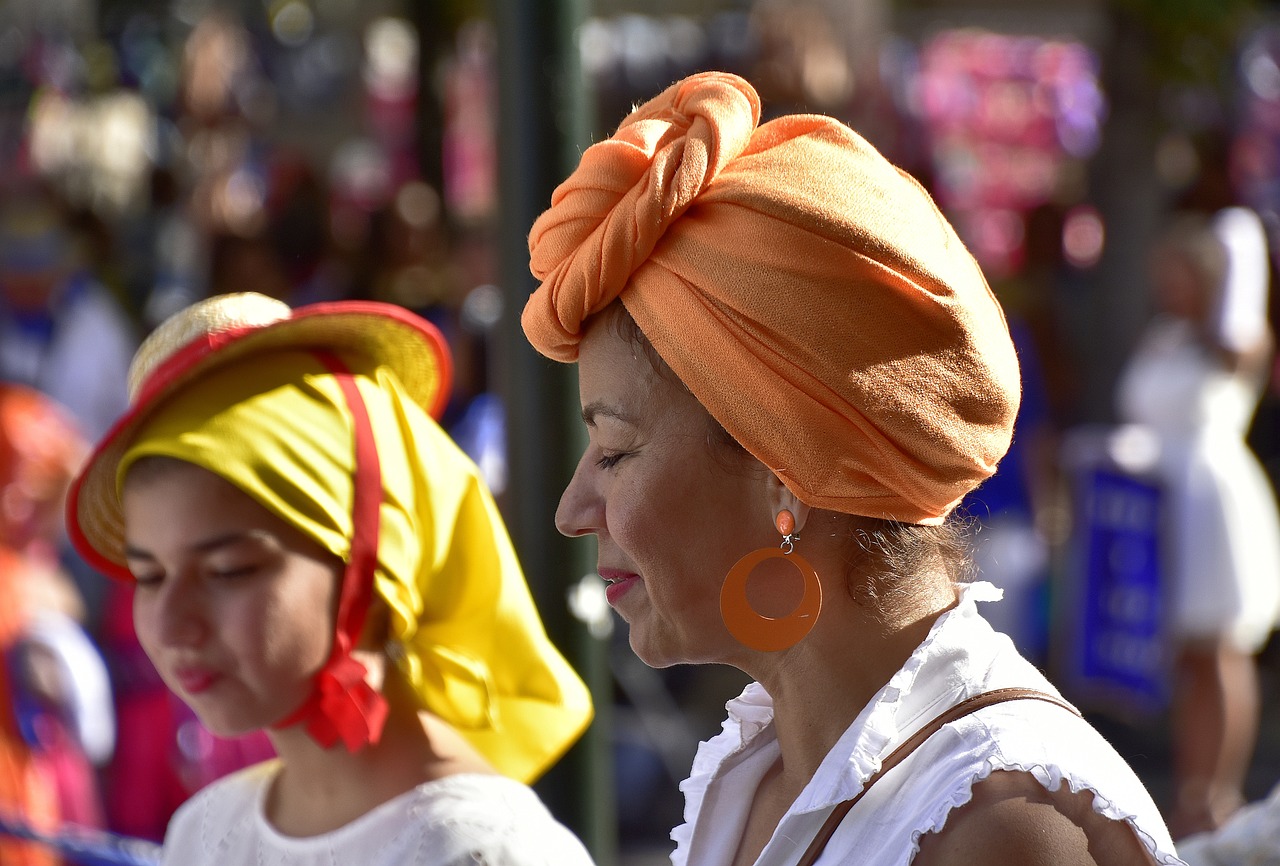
(313,556)
(791,371)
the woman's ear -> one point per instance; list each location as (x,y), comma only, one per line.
(782,497)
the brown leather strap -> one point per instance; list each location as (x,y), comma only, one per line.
(908,746)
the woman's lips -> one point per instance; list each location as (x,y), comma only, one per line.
(619,583)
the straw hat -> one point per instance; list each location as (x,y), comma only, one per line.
(226,328)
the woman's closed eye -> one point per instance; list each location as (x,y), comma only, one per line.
(610,459)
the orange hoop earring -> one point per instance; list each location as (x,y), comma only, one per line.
(765,633)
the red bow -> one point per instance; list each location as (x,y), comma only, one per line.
(342,705)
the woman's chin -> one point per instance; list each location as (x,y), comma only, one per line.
(660,653)
(647,653)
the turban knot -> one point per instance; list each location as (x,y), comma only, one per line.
(642,180)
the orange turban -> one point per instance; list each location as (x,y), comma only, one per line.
(805,290)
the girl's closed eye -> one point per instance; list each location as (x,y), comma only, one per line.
(146,578)
(232,573)
(143,566)
(231,570)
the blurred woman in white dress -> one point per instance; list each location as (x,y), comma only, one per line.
(1195,379)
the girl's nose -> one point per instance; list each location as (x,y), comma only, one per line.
(178,613)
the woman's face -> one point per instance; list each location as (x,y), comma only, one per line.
(234,606)
(670,512)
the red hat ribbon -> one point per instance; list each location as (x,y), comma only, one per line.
(342,705)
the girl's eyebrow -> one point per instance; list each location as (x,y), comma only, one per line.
(205,545)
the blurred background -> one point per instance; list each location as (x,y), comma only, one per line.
(153,152)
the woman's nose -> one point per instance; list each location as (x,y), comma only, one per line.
(578,512)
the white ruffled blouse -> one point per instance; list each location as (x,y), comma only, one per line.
(961,657)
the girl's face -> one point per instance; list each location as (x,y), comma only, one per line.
(234,606)
(671,515)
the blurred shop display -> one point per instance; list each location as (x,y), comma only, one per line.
(1008,123)
(1009,119)
(1256,152)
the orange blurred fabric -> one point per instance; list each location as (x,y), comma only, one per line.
(26,792)
(40,449)
(807,292)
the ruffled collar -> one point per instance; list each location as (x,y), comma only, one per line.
(926,684)
(931,680)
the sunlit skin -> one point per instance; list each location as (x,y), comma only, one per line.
(234,606)
(670,518)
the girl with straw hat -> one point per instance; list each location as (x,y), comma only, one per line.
(314,557)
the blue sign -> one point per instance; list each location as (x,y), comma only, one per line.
(1121,650)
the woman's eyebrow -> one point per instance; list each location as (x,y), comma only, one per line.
(598,409)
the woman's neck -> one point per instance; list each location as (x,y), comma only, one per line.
(826,682)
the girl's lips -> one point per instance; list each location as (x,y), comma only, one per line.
(193,681)
(620,583)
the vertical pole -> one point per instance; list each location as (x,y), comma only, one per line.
(433,33)
(1124,184)
(544,124)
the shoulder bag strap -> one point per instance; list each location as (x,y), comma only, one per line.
(908,746)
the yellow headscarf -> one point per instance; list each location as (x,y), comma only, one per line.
(474,649)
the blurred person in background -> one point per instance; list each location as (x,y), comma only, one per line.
(1194,379)
(61,331)
(57,726)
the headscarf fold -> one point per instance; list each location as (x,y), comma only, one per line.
(464,631)
(809,294)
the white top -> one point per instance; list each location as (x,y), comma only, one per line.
(462,820)
(1242,314)
(961,657)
